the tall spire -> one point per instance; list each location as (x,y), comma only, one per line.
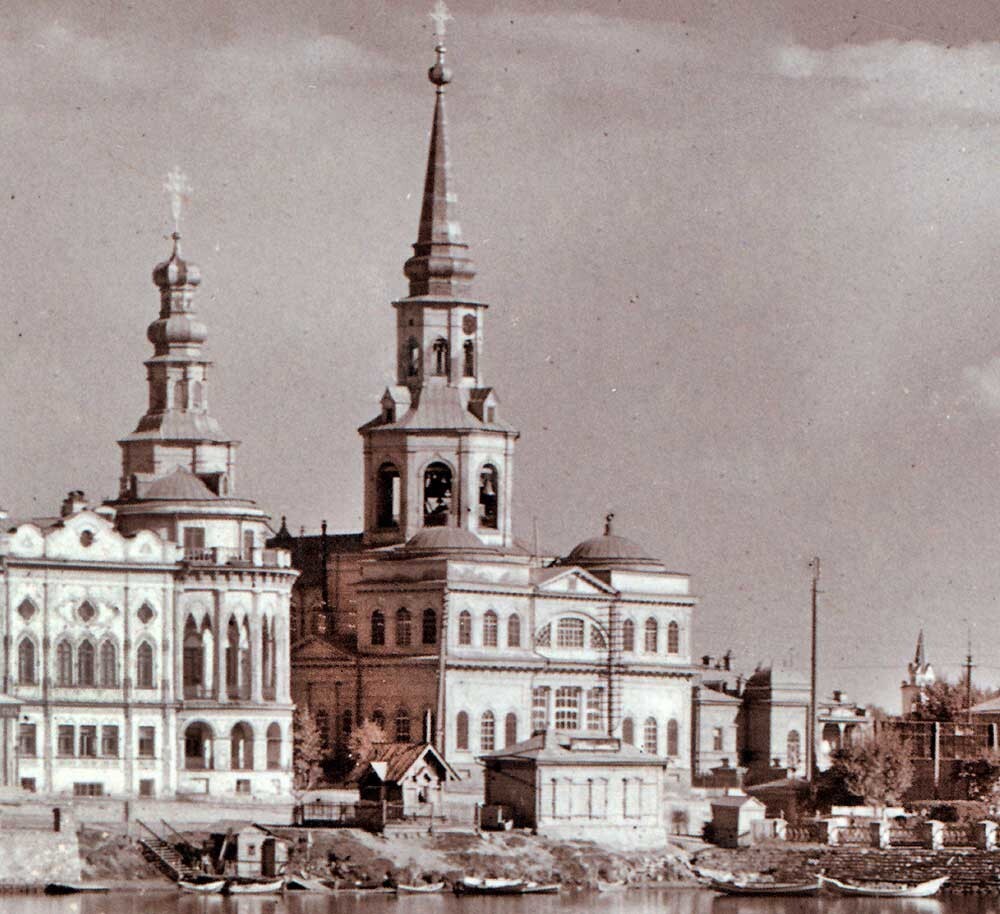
(918,657)
(440,265)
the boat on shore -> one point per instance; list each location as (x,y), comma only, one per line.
(470,885)
(620,886)
(210,887)
(539,888)
(426,888)
(254,887)
(759,888)
(885,889)
(69,888)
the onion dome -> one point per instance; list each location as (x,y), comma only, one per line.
(176,271)
(176,328)
(612,552)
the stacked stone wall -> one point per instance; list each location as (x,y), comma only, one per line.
(33,858)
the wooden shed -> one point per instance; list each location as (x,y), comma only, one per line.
(409,778)
(733,818)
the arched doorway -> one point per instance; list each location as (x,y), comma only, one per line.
(198,747)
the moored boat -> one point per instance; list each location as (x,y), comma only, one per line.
(886,889)
(620,886)
(539,888)
(470,885)
(69,888)
(213,887)
(753,887)
(254,887)
(422,889)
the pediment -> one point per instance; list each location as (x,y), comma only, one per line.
(575,581)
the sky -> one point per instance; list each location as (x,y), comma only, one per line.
(739,257)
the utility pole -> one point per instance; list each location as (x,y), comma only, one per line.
(968,678)
(811,724)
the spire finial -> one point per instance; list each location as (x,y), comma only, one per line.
(440,17)
(608,518)
(179,188)
(439,74)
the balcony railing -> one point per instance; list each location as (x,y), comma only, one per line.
(246,558)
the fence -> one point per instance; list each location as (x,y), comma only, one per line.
(365,814)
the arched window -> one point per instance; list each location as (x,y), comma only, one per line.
(673,638)
(469,358)
(274,747)
(650,736)
(597,640)
(628,635)
(429,627)
(179,400)
(490,629)
(440,350)
(241,748)
(144,666)
(437,495)
(196,682)
(85,664)
(673,738)
(378,627)
(402,726)
(793,750)
(196,395)
(198,747)
(404,627)
(651,636)
(268,659)
(412,358)
(510,730)
(487,732)
(462,730)
(109,665)
(465,627)
(489,488)
(378,718)
(26,662)
(387,496)
(64,664)
(514,631)
(233,659)
(628,731)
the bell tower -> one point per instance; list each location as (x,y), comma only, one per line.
(438,455)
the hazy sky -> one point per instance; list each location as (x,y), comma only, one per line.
(740,256)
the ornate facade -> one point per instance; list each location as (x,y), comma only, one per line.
(147,639)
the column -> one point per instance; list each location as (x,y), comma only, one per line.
(256,652)
(221,639)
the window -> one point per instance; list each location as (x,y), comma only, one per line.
(465,627)
(597,640)
(673,638)
(248,544)
(650,736)
(27,741)
(462,730)
(86,610)
(440,351)
(26,609)
(243,785)
(109,741)
(66,740)
(64,664)
(510,730)
(322,719)
(346,724)
(241,748)
(194,649)
(628,635)
(198,755)
(412,358)
(196,395)
(429,627)
(544,636)
(28,785)
(85,664)
(87,790)
(569,633)
(487,732)
(489,488)
(568,707)
(628,731)
(717,739)
(378,718)
(793,749)
(490,629)
(514,631)
(404,628)
(387,496)
(437,495)
(273,747)
(147,742)
(402,726)
(469,358)
(109,665)
(651,636)
(673,738)
(144,666)
(194,542)
(26,662)
(145,613)
(147,787)
(88,742)
(539,708)
(595,709)
(378,628)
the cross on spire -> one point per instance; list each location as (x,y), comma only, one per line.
(440,16)
(179,189)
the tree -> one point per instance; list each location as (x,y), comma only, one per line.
(364,741)
(945,701)
(877,768)
(307,749)
(981,777)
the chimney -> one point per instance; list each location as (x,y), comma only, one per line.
(73,502)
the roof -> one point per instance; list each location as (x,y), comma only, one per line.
(991,705)
(432,539)
(735,801)
(612,551)
(581,747)
(708,693)
(438,406)
(392,761)
(180,485)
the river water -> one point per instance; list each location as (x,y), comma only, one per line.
(646,901)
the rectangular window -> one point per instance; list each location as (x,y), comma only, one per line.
(568,707)
(539,708)
(194,540)
(109,741)
(66,739)
(243,785)
(717,739)
(147,787)
(27,743)
(569,633)
(28,784)
(248,545)
(81,789)
(88,742)
(595,709)
(147,742)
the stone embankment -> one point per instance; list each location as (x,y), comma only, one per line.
(968,870)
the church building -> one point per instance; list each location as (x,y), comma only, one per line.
(146,640)
(435,621)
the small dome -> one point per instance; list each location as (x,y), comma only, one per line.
(611,551)
(178,328)
(176,271)
(435,539)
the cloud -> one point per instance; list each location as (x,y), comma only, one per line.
(960,80)
(984,383)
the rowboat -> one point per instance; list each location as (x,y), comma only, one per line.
(620,886)
(472,886)
(538,888)
(68,888)
(424,889)
(886,889)
(270,887)
(736,887)
(204,888)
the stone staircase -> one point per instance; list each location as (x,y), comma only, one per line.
(165,857)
